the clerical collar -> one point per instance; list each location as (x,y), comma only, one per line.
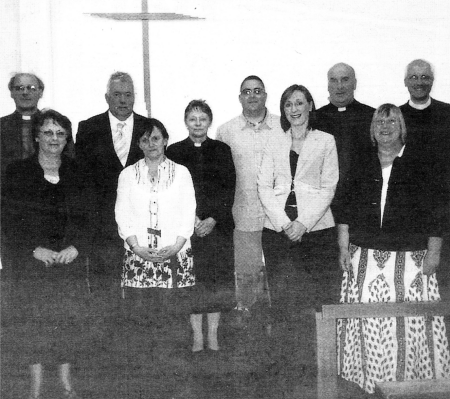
(26,117)
(420,106)
(197,144)
(342,109)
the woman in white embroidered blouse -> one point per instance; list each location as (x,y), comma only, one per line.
(155,212)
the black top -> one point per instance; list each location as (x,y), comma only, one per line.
(428,131)
(39,213)
(291,201)
(214,177)
(351,130)
(415,203)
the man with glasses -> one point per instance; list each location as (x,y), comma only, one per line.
(16,137)
(428,133)
(427,120)
(15,129)
(247,135)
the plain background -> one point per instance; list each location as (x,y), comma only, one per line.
(282,41)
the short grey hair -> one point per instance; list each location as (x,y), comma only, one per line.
(13,79)
(120,77)
(419,61)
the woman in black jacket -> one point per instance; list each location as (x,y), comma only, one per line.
(390,225)
(44,220)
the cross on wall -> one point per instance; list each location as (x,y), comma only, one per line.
(145,17)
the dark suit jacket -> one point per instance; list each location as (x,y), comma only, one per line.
(100,166)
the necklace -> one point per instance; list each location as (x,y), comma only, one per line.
(255,124)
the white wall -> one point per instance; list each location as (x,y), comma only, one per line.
(282,41)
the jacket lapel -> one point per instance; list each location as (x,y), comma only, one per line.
(307,156)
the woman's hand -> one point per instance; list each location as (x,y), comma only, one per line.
(431,262)
(148,254)
(344,243)
(294,230)
(344,259)
(45,255)
(433,256)
(172,250)
(67,255)
(204,227)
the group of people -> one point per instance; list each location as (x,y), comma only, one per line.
(193,228)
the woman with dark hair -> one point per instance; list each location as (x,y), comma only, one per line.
(296,184)
(155,212)
(390,223)
(211,166)
(44,220)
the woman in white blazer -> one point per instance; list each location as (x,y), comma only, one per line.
(296,183)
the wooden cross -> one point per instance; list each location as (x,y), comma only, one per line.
(145,16)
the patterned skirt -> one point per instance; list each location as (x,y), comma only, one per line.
(391,348)
(175,272)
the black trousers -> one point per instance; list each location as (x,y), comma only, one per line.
(298,273)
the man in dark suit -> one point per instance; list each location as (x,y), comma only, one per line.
(105,145)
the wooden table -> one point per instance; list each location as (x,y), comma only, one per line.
(417,389)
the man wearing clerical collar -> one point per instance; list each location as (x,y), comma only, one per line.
(426,119)
(341,85)
(345,118)
(419,80)
(349,122)
(427,123)
(16,138)
(247,135)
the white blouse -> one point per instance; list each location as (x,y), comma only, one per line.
(175,206)
(386,172)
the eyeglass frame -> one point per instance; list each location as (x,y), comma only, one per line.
(384,122)
(22,88)
(256,91)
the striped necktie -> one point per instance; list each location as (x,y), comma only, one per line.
(120,144)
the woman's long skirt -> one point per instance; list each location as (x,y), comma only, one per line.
(391,348)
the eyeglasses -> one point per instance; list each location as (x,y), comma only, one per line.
(384,122)
(31,88)
(48,134)
(257,91)
(425,78)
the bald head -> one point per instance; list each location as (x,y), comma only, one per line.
(341,84)
(419,78)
